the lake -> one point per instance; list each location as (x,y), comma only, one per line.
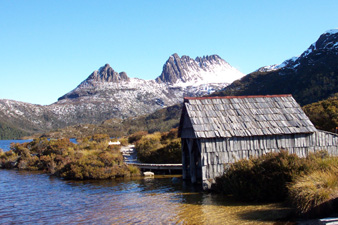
(37,198)
(5,144)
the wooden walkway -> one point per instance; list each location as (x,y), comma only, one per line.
(130,157)
(151,166)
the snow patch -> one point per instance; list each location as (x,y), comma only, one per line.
(279,66)
(332,31)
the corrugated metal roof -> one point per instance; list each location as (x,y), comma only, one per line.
(240,116)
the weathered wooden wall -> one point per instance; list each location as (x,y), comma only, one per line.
(217,152)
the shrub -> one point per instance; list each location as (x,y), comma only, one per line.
(146,145)
(310,191)
(92,158)
(100,138)
(159,148)
(8,160)
(133,170)
(263,178)
(124,141)
(136,136)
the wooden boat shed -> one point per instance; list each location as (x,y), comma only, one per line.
(216,131)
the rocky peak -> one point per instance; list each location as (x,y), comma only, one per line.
(326,42)
(107,74)
(209,58)
(185,69)
(173,69)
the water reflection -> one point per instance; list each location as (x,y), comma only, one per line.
(36,198)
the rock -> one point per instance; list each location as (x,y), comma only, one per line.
(148,174)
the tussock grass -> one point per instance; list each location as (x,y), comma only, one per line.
(309,183)
(310,191)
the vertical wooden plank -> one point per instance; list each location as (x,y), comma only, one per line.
(184,166)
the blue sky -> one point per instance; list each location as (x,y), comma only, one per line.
(49,47)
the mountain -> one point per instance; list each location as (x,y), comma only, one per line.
(311,77)
(108,94)
(186,71)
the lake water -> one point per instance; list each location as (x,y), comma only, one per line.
(37,198)
(5,144)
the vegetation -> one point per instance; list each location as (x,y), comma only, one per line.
(160,121)
(324,114)
(158,147)
(310,191)
(275,176)
(263,178)
(318,188)
(8,132)
(92,158)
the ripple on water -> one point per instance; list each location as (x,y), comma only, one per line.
(37,198)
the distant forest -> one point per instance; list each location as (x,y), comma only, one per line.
(324,114)
(7,132)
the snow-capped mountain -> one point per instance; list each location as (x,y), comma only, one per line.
(107,94)
(311,77)
(186,71)
(326,42)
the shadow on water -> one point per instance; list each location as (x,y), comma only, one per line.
(282,215)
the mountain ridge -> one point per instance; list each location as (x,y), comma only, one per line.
(311,77)
(107,94)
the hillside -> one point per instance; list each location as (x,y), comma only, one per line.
(161,120)
(324,114)
(311,77)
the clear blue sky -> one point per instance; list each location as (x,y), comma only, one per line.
(49,47)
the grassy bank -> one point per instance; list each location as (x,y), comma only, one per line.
(306,182)
(91,158)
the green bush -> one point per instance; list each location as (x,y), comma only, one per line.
(274,176)
(92,158)
(263,178)
(159,148)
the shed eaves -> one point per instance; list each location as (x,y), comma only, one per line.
(240,116)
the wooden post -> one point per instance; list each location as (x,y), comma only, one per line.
(192,161)
(184,165)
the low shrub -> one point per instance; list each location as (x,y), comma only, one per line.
(123,141)
(8,160)
(159,148)
(92,158)
(264,178)
(136,136)
(310,191)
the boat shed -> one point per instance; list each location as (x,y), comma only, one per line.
(216,131)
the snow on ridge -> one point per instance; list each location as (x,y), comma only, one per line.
(332,31)
(278,66)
